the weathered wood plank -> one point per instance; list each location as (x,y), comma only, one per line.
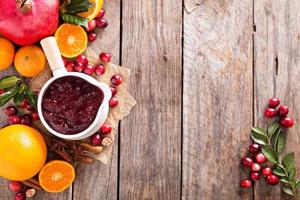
(217,97)
(277,61)
(150,160)
(100,181)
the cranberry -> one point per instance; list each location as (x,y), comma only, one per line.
(254,176)
(255,167)
(105,129)
(101,23)
(35,116)
(79,67)
(70,66)
(267,171)
(82,59)
(260,158)
(89,69)
(99,69)
(101,14)
(65,60)
(287,122)
(20,196)
(30,192)
(23,103)
(26,120)
(254,148)
(92,37)
(14,119)
(113,90)
(274,102)
(91,25)
(105,57)
(15,186)
(116,80)
(272,179)
(270,112)
(1,91)
(245,183)
(283,111)
(96,139)
(247,162)
(113,102)
(29,107)
(11,111)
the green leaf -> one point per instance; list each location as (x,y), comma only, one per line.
(281,142)
(259,130)
(297,186)
(5,97)
(32,98)
(78,6)
(292,173)
(270,154)
(259,136)
(288,190)
(19,98)
(76,1)
(273,128)
(293,184)
(284,180)
(72,19)
(274,139)
(8,82)
(289,160)
(278,172)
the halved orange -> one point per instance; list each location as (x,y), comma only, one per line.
(94,10)
(71,40)
(56,176)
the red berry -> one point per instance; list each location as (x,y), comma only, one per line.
(30,192)
(254,176)
(116,80)
(105,57)
(65,60)
(287,122)
(105,129)
(79,67)
(113,90)
(35,116)
(11,111)
(283,111)
(101,23)
(91,25)
(70,66)
(274,102)
(260,158)
(89,69)
(23,103)
(247,162)
(267,171)
(20,196)
(270,112)
(99,69)
(101,14)
(272,179)
(15,186)
(96,139)
(14,119)
(29,107)
(82,59)
(245,183)
(26,120)
(1,91)
(92,37)
(254,148)
(113,102)
(255,167)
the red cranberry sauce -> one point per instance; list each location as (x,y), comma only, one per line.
(70,104)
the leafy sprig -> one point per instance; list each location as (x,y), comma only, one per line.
(273,141)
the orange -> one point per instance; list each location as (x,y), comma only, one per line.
(30,60)
(71,40)
(7,52)
(23,152)
(94,10)
(56,176)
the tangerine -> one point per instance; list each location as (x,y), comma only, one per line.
(7,52)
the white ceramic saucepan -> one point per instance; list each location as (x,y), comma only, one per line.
(55,61)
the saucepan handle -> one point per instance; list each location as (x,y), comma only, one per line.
(53,56)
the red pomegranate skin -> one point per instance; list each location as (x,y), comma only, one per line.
(25,22)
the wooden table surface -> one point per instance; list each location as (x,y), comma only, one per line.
(202,71)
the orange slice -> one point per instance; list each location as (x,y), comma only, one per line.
(56,176)
(94,10)
(71,40)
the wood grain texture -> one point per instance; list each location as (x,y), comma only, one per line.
(277,61)
(100,181)
(150,159)
(217,97)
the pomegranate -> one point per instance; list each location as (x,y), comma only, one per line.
(27,21)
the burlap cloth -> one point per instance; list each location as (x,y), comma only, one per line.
(126,101)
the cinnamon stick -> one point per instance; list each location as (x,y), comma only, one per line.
(31,184)
(91,148)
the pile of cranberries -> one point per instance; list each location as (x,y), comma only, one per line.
(104,132)
(98,22)
(281,112)
(21,191)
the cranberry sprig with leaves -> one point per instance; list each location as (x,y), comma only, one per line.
(269,145)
